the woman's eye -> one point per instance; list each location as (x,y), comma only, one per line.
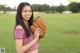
(25,11)
(30,11)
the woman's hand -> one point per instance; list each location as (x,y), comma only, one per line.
(37,33)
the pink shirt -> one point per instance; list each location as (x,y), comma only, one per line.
(20,34)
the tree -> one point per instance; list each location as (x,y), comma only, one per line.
(8,9)
(53,9)
(2,8)
(44,7)
(74,7)
(14,8)
(35,7)
(60,8)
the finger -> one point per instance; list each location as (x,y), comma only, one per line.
(36,29)
(40,33)
(39,29)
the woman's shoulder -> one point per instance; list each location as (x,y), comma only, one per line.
(18,32)
(19,27)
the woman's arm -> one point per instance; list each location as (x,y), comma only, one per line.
(19,45)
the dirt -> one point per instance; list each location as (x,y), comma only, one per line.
(72,32)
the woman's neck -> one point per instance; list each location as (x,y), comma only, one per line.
(26,22)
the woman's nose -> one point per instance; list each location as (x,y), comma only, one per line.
(28,13)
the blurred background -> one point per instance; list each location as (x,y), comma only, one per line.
(62,18)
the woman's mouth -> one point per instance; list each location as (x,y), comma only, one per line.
(28,16)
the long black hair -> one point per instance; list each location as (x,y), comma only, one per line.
(19,19)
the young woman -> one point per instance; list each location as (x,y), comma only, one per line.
(25,40)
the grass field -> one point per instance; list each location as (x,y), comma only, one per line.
(62,34)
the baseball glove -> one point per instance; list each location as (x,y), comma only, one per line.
(39,23)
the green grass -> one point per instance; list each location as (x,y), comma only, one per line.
(55,41)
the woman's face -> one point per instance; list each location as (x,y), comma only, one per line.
(26,13)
